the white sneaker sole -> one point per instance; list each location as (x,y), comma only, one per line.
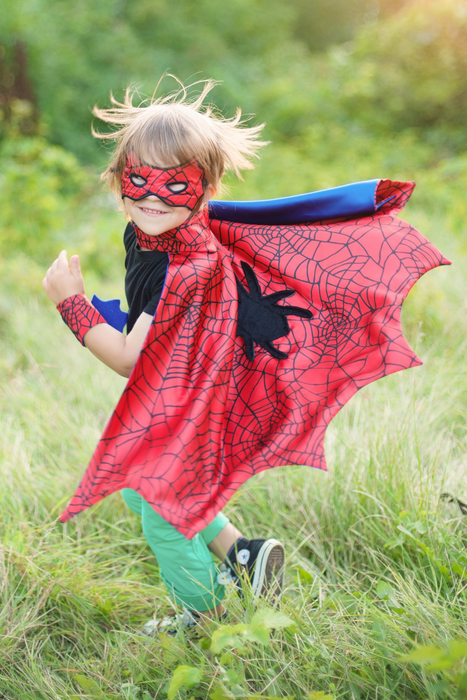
(268,578)
(171,625)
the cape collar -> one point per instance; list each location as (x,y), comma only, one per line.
(194,233)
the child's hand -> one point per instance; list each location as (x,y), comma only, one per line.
(63,281)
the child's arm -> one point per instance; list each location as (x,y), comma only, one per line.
(116,350)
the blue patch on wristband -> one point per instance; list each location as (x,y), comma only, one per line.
(112,312)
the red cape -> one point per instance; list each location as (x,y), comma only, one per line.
(197,417)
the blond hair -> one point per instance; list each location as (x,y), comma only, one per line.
(174,129)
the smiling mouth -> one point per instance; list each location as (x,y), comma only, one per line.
(152,212)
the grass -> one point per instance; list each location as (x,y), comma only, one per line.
(376,562)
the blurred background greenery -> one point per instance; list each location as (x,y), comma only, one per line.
(349,90)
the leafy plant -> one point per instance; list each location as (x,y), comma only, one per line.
(448,661)
(183,676)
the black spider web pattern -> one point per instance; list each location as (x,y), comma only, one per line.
(198,418)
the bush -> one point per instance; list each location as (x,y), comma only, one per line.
(42,189)
(409,71)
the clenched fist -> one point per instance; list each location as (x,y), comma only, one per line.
(63,280)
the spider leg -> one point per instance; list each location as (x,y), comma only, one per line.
(294,311)
(277,296)
(242,293)
(249,348)
(253,284)
(275,352)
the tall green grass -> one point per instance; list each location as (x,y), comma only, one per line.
(376,562)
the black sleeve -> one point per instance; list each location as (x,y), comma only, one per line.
(127,236)
(151,306)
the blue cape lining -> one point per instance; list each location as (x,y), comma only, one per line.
(354,200)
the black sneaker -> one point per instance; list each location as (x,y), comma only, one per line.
(262,561)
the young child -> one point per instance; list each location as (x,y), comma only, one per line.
(169,161)
(226,378)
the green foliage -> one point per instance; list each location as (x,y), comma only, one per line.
(404,71)
(90,687)
(183,676)
(258,630)
(409,71)
(104,46)
(448,661)
(42,187)
(313,23)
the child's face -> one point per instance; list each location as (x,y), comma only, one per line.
(153,195)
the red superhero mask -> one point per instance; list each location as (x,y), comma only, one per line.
(180,186)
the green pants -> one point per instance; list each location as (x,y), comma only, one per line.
(186,566)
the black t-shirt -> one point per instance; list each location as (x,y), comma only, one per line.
(144,279)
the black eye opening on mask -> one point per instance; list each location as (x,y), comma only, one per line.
(134,177)
(177,187)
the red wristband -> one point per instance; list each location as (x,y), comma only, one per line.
(79,315)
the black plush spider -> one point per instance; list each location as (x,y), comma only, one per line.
(260,320)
